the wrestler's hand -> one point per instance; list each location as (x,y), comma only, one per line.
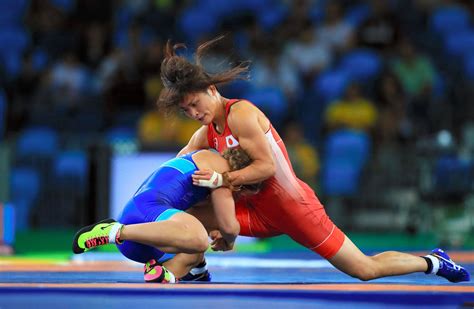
(207,178)
(219,243)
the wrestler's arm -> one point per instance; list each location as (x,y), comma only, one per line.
(243,122)
(224,209)
(197,141)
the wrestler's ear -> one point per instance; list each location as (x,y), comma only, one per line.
(212,90)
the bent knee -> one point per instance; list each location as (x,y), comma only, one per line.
(197,240)
(202,243)
(366,275)
(364,272)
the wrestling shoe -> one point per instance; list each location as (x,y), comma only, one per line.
(448,269)
(198,273)
(94,235)
(154,272)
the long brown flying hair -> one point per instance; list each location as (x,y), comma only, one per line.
(180,77)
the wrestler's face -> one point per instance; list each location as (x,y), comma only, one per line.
(199,106)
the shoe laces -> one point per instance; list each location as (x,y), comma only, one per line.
(450,263)
(97,241)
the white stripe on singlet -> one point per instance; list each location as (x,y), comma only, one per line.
(284,175)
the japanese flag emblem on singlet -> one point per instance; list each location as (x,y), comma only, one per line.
(231,142)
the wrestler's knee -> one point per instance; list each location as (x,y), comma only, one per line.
(195,236)
(364,271)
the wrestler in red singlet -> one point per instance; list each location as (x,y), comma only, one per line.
(285,205)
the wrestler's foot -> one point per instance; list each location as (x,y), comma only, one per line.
(154,272)
(448,269)
(95,235)
(198,273)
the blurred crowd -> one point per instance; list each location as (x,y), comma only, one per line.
(396,71)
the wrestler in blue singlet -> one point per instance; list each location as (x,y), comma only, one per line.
(167,191)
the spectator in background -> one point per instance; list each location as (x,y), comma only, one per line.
(308,54)
(94,44)
(108,67)
(298,13)
(50,28)
(124,89)
(303,155)
(157,132)
(270,69)
(334,31)
(414,70)
(65,86)
(69,79)
(417,76)
(354,111)
(25,87)
(381,30)
(161,16)
(391,104)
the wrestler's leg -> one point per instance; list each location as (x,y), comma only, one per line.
(350,260)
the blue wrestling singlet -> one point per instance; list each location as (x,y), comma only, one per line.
(165,192)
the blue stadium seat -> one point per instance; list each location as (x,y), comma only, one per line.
(13,41)
(449,19)
(271,100)
(348,146)
(357,14)
(236,89)
(37,141)
(316,13)
(25,186)
(7,224)
(272,17)
(346,153)
(40,59)
(71,168)
(3,114)
(361,64)
(340,180)
(459,43)
(195,23)
(219,9)
(453,175)
(120,133)
(331,85)
(121,37)
(12,12)
(123,17)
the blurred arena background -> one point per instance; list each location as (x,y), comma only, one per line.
(373,99)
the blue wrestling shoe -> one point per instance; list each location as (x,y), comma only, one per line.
(448,269)
(198,273)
